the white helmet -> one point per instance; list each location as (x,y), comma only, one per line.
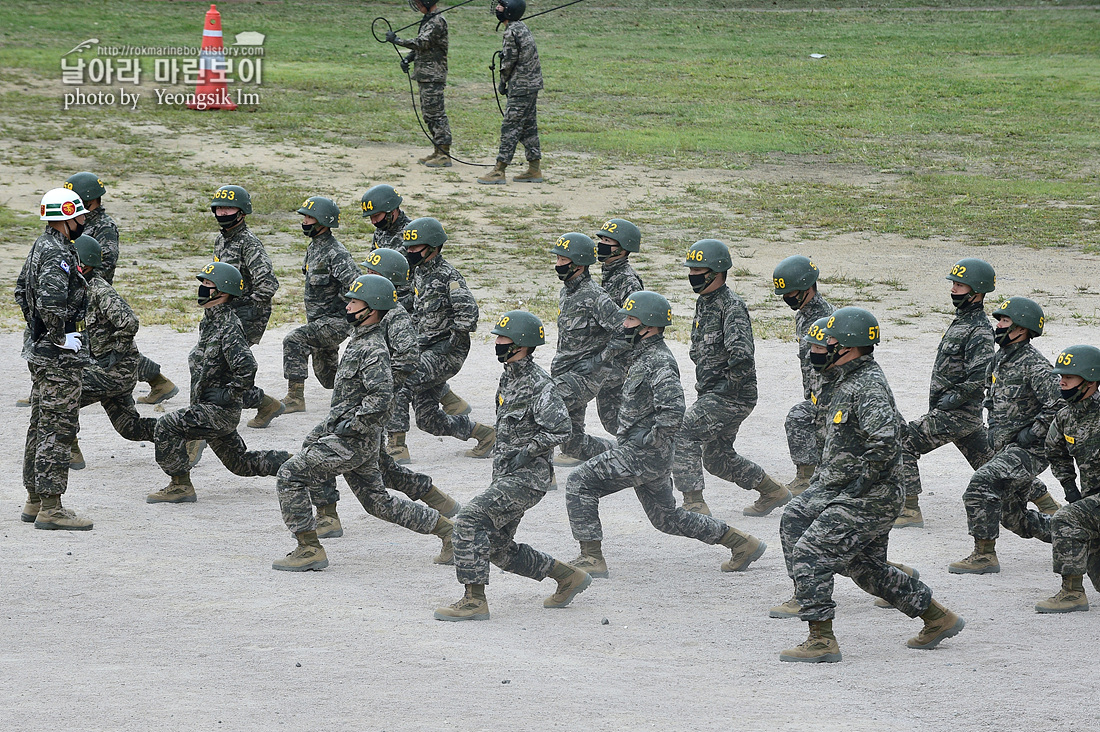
(60,204)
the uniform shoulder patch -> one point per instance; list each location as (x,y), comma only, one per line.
(64,265)
(838,417)
(1069,439)
(813,398)
(454,285)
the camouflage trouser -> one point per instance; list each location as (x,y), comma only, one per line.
(520,125)
(147,369)
(610,397)
(394,477)
(438,362)
(399,412)
(646,470)
(320,339)
(825,532)
(55,411)
(706,439)
(1075,534)
(577,391)
(804,440)
(114,389)
(254,317)
(218,426)
(434,113)
(485,528)
(998,493)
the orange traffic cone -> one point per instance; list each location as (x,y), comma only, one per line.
(211,91)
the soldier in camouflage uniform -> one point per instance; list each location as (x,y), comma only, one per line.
(53,296)
(841,523)
(795,280)
(520,82)
(429,60)
(725,379)
(531,419)
(642,458)
(615,240)
(223,370)
(1021,401)
(1074,435)
(346,443)
(329,271)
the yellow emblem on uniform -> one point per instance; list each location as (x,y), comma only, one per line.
(838,416)
(993,379)
(813,398)
(1069,439)
(500,400)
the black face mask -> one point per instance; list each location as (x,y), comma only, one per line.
(505,351)
(358,316)
(699,282)
(605,251)
(310,230)
(206,294)
(227,220)
(78,229)
(633,335)
(1000,336)
(414,258)
(817,360)
(1075,394)
(384,223)
(960,300)
(794,300)
(565,271)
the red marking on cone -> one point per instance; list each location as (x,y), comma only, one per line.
(211,91)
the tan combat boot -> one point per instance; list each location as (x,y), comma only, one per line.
(454,405)
(1070,599)
(429,156)
(789,609)
(591,559)
(76,457)
(31,508)
(295,399)
(441,159)
(397,449)
(486,437)
(194,452)
(21,403)
(1047,504)
(308,556)
(571,582)
(693,501)
(566,461)
(939,624)
(444,528)
(801,479)
(270,408)
(820,647)
(772,495)
(472,606)
(744,550)
(160,388)
(179,490)
(53,517)
(441,502)
(533,174)
(911,517)
(328,522)
(495,177)
(910,571)
(983,560)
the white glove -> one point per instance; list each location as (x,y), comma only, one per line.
(72,342)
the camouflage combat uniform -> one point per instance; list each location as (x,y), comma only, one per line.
(53,297)
(102,228)
(619,281)
(725,379)
(590,335)
(651,413)
(222,370)
(841,523)
(329,271)
(240,247)
(1021,394)
(1075,529)
(804,440)
(531,416)
(521,74)
(430,74)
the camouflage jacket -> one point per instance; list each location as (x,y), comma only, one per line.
(817,308)
(530,413)
(519,61)
(403,344)
(240,247)
(652,394)
(589,326)
(110,326)
(862,428)
(392,238)
(222,359)
(1074,435)
(442,303)
(722,347)
(430,46)
(620,281)
(962,361)
(329,271)
(1021,393)
(53,297)
(102,228)
(363,391)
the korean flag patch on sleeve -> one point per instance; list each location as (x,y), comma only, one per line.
(65,266)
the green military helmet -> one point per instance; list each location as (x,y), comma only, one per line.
(1083,361)
(226,278)
(88,251)
(379,199)
(815,336)
(86,185)
(375,290)
(852,326)
(389,263)
(625,233)
(232,197)
(522,327)
(1024,312)
(577,248)
(977,273)
(649,307)
(323,209)
(424,230)
(709,254)
(794,274)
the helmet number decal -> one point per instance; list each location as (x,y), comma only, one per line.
(958,270)
(308,203)
(503,322)
(872,331)
(609,226)
(818,334)
(670,315)
(208,269)
(563,243)
(355,286)
(1065,359)
(374,258)
(1042,321)
(832,320)
(225,193)
(409,234)
(542,332)
(696,255)
(629,304)
(367,206)
(779,283)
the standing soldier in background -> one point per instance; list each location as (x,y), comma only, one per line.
(795,280)
(429,59)
(725,379)
(329,271)
(520,81)
(615,240)
(53,297)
